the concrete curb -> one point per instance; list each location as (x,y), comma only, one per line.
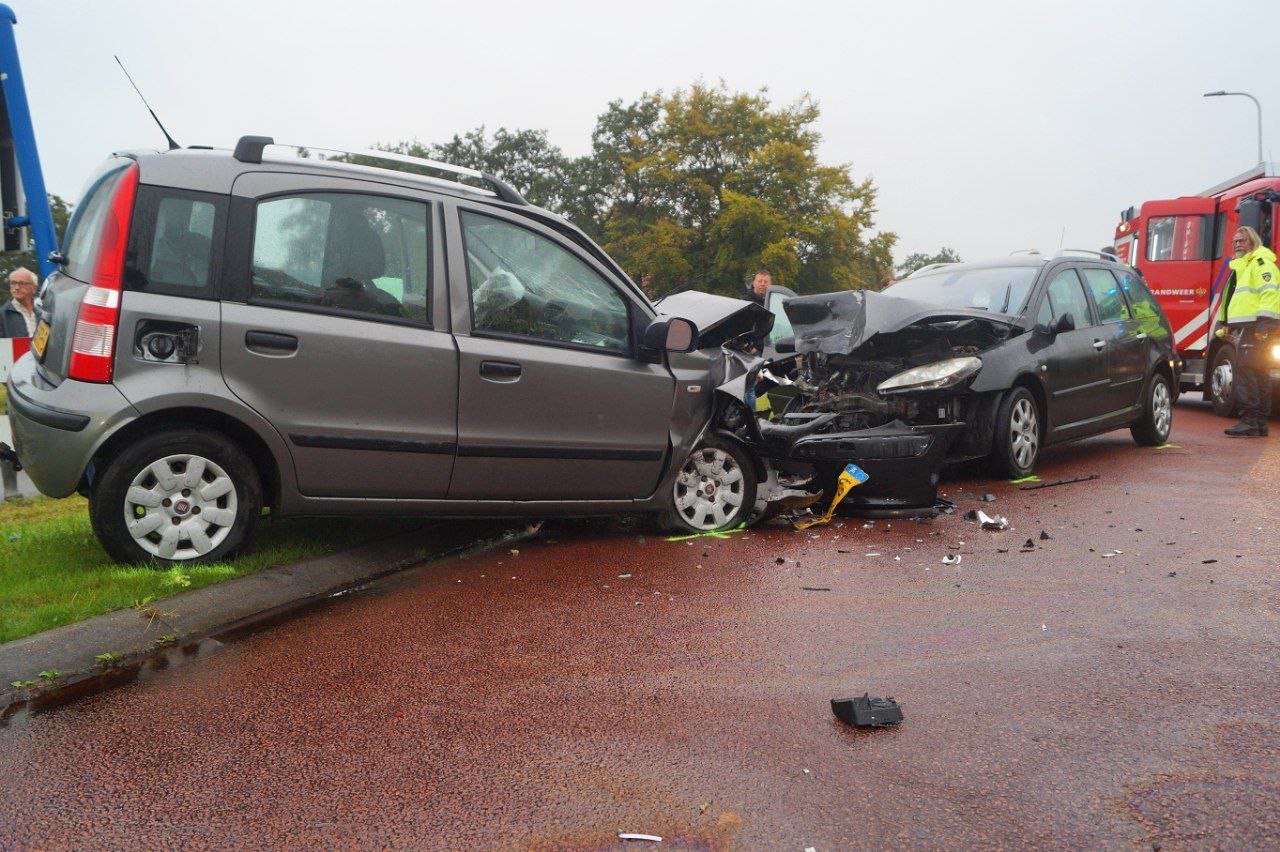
(232,605)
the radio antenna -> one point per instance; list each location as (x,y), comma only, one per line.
(173,146)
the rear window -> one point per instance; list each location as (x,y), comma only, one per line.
(83,231)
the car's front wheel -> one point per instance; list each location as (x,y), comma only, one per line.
(1222,386)
(1018,435)
(1152,428)
(714,490)
(180,496)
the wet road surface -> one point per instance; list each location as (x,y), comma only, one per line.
(539,699)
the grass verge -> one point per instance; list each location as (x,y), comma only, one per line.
(53,572)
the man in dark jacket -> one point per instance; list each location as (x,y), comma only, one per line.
(18,316)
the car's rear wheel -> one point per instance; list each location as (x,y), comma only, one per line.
(715,489)
(1152,428)
(1222,386)
(182,496)
(1018,435)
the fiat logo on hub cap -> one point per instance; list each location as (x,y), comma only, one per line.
(181,507)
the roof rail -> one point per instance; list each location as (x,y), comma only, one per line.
(250,148)
(1102,254)
(1024,251)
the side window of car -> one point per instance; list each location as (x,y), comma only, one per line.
(1065,295)
(175,249)
(1146,310)
(781,322)
(347,253)
(526,285)
(1106,295)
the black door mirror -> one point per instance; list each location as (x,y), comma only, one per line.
(667,334)
(785,345)
(1066,322)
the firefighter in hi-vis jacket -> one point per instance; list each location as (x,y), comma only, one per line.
(1251,313)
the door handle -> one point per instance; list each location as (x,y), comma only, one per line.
(271,340)
(1099,345)
(500,371)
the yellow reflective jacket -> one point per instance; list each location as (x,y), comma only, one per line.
(1257,288)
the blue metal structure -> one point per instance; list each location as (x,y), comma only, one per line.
(39,217)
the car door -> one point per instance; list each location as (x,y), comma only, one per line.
(1126,342)
(552,403)
(329,332)
(1072,363)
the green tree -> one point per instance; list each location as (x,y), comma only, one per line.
(698,188)
(919,260)
(11,260)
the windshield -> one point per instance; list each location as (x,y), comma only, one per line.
(1000,289)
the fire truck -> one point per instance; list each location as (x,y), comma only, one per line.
(1182,247)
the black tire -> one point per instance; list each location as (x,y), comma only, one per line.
(232,513)
(1222,394)
(1017,442)
(1153,426)
(697,518)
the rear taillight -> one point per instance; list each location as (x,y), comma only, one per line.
(93,344)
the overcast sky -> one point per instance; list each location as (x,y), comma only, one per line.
(987,126)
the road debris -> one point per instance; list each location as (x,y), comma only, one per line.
(1055,482)
(998,523)
(1207,561)
(867,711)
(850,478)
(988,498)
(1111,553)
(624,576)
(630,835)
(816,588)
(953,559)
(1044,536)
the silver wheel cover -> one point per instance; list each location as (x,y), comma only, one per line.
(1024,433)
(180,507)
(709,489)
(1161,408)
(1220,382)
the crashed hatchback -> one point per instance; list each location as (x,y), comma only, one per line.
(966,361)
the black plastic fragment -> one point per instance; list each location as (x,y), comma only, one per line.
(1044,536)
(867,711)
(971,515)
(988,498)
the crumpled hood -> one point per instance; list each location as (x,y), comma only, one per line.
(839,323)
(718,319)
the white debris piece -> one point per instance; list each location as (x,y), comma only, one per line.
(951,560)
(998,523)
(628,835)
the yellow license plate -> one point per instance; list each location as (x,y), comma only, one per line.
(41,339)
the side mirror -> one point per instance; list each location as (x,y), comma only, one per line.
(1066,322)
(785,345)
(667,334)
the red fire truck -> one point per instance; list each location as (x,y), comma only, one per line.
(1182,246)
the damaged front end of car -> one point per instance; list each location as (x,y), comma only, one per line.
(873,380)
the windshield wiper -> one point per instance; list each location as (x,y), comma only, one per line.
(1008,294)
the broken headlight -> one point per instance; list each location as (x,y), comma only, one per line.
(940,374)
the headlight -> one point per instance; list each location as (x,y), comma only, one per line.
(1275,352)
(940,374)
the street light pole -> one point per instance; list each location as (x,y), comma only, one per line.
(1255,103)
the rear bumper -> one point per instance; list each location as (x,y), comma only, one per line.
(903,463)
(56,430)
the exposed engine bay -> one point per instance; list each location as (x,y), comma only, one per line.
(869,379)
(847,384)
